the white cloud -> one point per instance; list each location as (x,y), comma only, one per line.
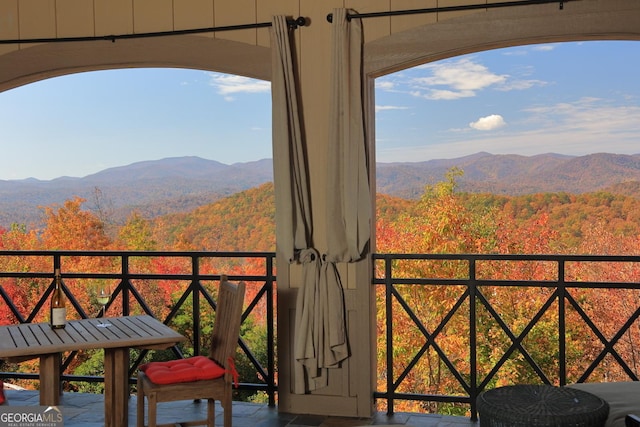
(494,121)
(454,79)
(588,125)
(384,84)
(543,47)
(515,52)
(443,94)
(594,116)
(228,85)
(524,50)
(461,78)
(521,85)
(389,107)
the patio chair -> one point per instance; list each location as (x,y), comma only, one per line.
(198,377)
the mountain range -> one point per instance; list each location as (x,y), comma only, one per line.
(153,188)
(181,184)
(512,174)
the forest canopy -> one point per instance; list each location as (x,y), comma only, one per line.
(443,220)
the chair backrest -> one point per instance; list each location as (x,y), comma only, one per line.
(226,326)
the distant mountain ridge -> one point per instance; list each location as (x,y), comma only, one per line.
(181,184)
(512,174)
(154,188)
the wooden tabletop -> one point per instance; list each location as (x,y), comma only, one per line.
(33,339)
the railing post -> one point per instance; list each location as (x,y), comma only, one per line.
(271,363)
(56,265)
(473,342)
(195,303)
(56,261)
(562,342)
(389,320)
(126,283)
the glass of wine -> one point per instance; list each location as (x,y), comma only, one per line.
(103,297)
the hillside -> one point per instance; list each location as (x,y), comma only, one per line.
(243,221)
(174,185)
(246,221)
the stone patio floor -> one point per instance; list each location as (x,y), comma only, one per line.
(87,410)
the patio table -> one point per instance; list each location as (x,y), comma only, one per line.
(541,406)
(30,340)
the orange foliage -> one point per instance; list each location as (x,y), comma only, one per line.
(442,221)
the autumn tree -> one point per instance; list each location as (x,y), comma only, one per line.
(442,221)
(23,293)
(439,223)
(609,308)
(71,228)
(137,234)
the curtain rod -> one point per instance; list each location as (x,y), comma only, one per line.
(451,8)
(293,24)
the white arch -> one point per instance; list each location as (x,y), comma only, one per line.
(48,60)
(499,28)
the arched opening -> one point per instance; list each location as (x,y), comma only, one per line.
(573,98)
(475,130)
(159,156)
(200,135)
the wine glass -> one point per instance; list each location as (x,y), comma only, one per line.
(103,298)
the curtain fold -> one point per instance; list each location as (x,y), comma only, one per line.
(290,171)
(308,372)
(349,196)
(322,308)
(320,339)
(293,219)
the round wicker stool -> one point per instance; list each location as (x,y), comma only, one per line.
(540,405)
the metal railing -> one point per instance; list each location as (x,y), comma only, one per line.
(468,287)
(563,293)
(130,272)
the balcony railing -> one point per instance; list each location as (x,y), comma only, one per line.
(26,283)
(450,326)
(521,317)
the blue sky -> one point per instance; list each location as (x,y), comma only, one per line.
(568,98)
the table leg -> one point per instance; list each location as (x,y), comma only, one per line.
(116,387)
(50,365)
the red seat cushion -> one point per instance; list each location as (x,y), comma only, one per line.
(182,370)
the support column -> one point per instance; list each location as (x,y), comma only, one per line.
(350,388)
